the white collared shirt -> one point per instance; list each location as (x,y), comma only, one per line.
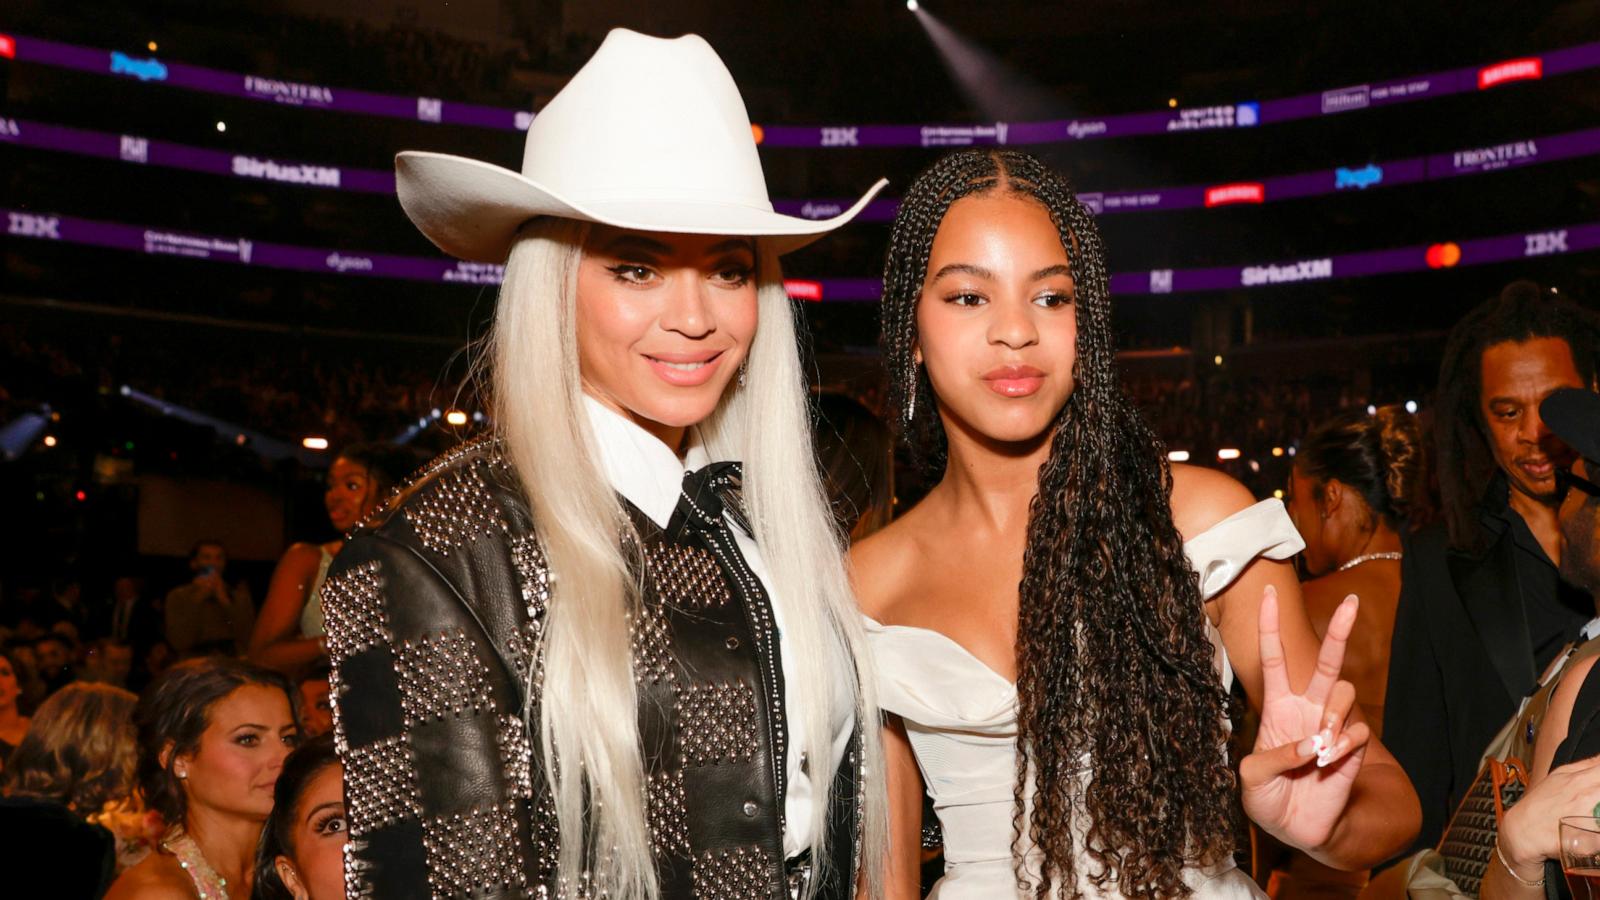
(645,471)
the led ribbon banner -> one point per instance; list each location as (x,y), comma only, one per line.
(1466,161)
(166,242)
(1389,92)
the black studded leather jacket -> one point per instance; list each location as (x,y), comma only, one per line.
(433,614)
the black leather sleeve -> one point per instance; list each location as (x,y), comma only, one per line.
(424,725)
(1414,705)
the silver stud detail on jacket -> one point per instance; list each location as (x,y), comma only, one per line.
(738,873)
(455,509)
(380,782)
(516,755)
(476,852)
(652,645)
(353,613)
(533,574)
(668,813)
(440,675)
(717,723)
(686,577)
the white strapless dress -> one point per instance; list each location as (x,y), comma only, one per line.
(961,718)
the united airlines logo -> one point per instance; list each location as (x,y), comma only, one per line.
(134,149)
(1361,178)
(142,69)
(25,225)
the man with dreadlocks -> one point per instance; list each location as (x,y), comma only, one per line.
(1057,670)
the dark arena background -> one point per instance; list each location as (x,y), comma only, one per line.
(207,282)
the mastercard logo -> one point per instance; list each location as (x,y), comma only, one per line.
(1443,256)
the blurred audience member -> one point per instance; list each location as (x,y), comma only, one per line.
(76,761)
(53,662)
(1482,607)
(213,734)
(25,663)
(1353,488)
(130,617)
(1564,767)
(108,662)
(301,856)
(157,659)
(13,724)
(208,615)
(316,706)
(856,454)
(66,606)
(289,635)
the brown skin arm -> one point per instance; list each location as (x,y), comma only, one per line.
(276,642)
(902,871)
(1382,815)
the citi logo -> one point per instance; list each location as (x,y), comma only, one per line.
(1545,243)
(25,225)
(841,137)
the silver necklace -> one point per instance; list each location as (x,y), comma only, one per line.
(1369,557)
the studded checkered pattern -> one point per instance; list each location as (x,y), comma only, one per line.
(533,574)
(516,755)
(440,675)
(478,851)
(740,873)
(686,577)
(669,816)
(717,723)
(455,509)
(652,645)
(352,610)
(381,785)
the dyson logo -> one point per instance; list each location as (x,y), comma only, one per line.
(1079,130)
(349,263)
(814,210)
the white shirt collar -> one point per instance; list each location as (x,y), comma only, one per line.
(638,465)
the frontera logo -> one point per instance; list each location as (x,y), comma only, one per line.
(1362,178)
(143,69)
(291,92)
(1526,69)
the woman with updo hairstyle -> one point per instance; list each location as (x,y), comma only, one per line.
(301,855)
(213,735)
(1356,488)
(76,761)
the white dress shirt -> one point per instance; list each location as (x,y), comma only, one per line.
(646,471)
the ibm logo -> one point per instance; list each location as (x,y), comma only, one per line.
(134,149)
(430,109)
(1544,243)
(1161,281)
(24,225)
(840,137)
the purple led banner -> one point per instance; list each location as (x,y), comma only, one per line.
(168,242)
(1248,114)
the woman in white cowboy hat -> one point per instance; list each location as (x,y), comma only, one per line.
(593,656)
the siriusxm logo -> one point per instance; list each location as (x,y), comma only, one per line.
(1247,115)
(24,225)
(143,69)
(289,173)
(1362,178)
(1305,270)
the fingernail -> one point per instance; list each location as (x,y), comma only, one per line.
(1308,746)
(1327,736)
(1328,721)
(1337,751)
(1324,757)
(1317,745)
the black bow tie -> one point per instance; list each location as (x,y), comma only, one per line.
(708,493)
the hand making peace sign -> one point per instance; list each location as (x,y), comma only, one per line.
(1297,780)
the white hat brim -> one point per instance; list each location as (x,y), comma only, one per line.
(472,209)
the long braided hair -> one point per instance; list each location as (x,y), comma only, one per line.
(1121,729)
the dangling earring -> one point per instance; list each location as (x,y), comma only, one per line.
(743,366)
(911,399)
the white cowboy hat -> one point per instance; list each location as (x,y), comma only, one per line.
(651,134)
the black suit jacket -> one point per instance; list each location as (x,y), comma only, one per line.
(1460,663)
(1582,742)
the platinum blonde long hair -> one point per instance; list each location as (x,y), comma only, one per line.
(587,721)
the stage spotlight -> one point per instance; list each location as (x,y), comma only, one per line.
(312,442)
(1277,451)
(222,126)
(455,417)
(1227,453)
(152,46)
(1371,410)
(1172,103)
(911,5)
(1178,455)
(49,440)
(1411,406)
(990,85)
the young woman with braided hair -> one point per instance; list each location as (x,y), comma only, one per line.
(1057,671)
